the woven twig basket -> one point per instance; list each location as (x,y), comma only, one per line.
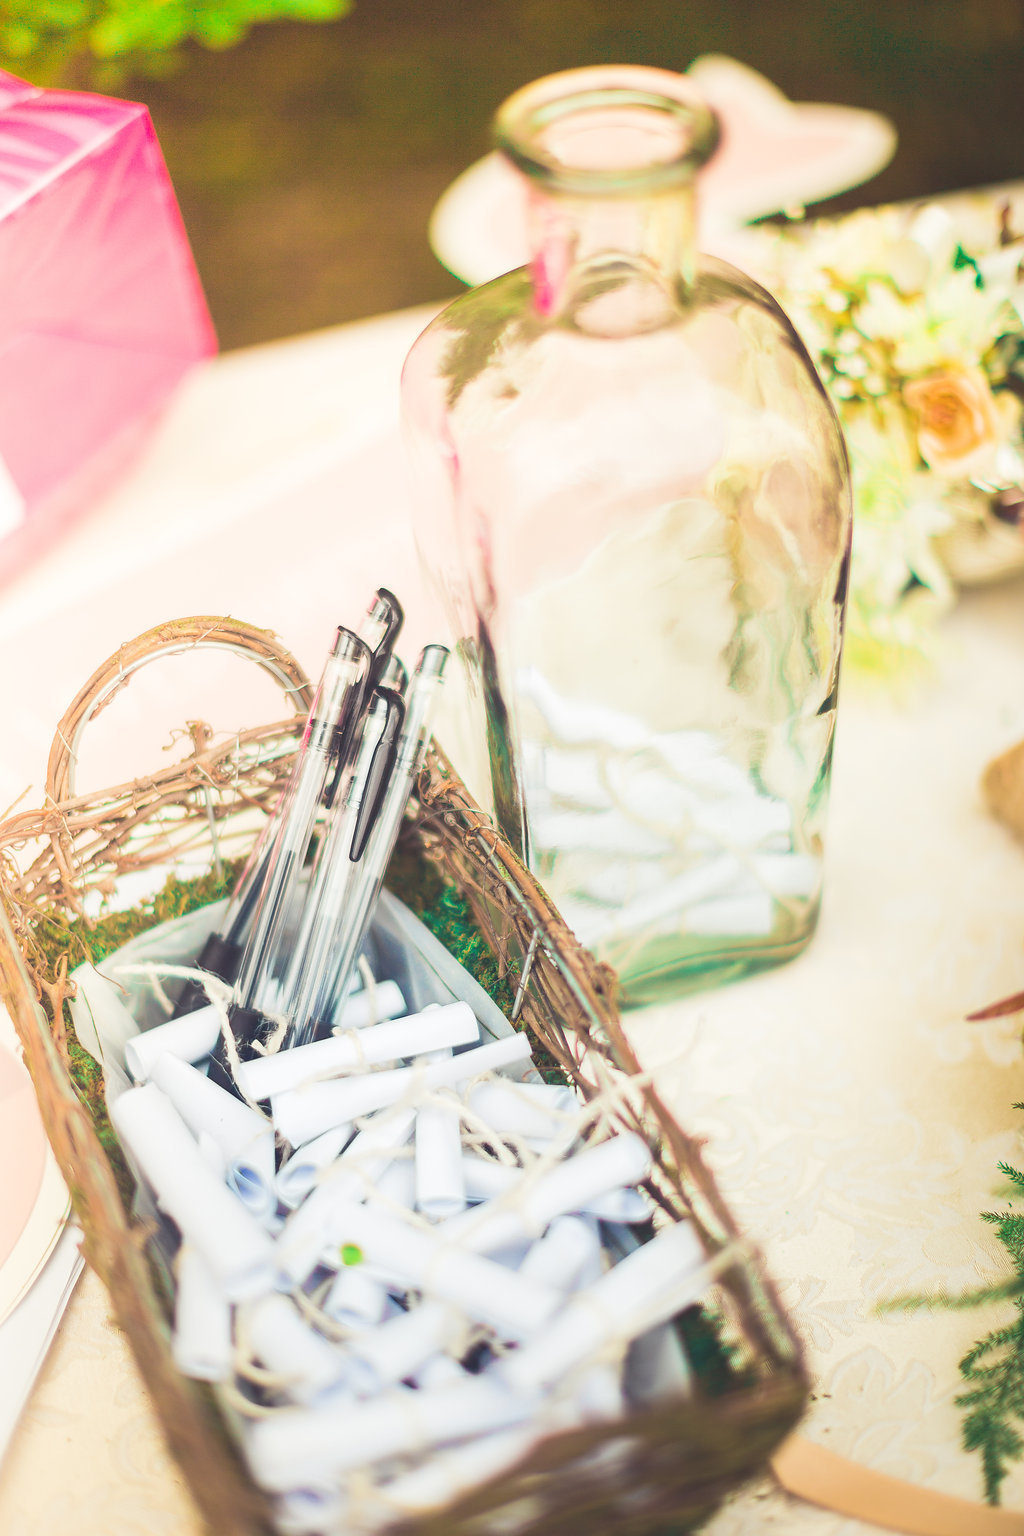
(660,1468)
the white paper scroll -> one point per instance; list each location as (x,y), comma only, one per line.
(244,1138)
(201,1343)
(297,1176)
(238,1252)
(534,1111)
(190,1038)
(531,1204)
(452,1024)
(372,1005)
(650,1285)
(440,1190)
(314,1227)
(382,1357)
(301,1114)
(306,1362)
(571,1247)
(423,1260)
(485,1179)
(299,1448)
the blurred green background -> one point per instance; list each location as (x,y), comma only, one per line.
(307,158)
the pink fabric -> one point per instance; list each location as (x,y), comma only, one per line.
(104,312)
(22,1149)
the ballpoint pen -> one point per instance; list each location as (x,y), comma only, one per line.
(338,701)
(378,825)
(308,988)
(222,950)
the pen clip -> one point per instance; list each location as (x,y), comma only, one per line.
(379,773)
(385,615)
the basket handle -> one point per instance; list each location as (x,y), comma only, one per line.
(171,639)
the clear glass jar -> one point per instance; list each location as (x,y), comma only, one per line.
(633,495)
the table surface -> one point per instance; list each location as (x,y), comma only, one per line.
(855,1120)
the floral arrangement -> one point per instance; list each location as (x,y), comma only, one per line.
(915,319)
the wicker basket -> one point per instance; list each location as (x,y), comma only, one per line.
(660,1468)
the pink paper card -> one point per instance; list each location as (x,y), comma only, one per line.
(103,312)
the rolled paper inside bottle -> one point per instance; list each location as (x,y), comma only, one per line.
(237,1251)
(448,1473)
(748,915)
(245,1138)
(382,1356)
(569,1186)
(306,1448)
(313,1228)
(423,1260)
(539,1111)
(356,1299)
(299,1174)
(201,1342)
(371,1005)
(567,1250)
(451,1024)
(301,1114)
(281,1339)
(190,1038)
(647,1287)
(440,1190)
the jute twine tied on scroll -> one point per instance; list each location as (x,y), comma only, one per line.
(671,1464)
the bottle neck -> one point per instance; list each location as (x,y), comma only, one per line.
(617,263)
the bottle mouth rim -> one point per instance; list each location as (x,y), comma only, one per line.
(689,129)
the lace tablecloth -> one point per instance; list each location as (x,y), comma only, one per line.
(855,1120)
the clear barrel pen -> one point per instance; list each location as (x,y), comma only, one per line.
(377,834)
(339,698)
(308,984)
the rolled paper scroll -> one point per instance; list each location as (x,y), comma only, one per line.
(308,1512)
(238,1252)
(438,1370)
(301,1114)
(646,1288)
(299,1174)
(439,1185)
(750,914)
(485,1179)
(244,1138)
(380,1357)
(201,1343)
(568,1186)
(314,1227)
(447,1474)
(569,1248)
(372,1005)
(452,1024)
(307,1363)
(356,1299)
(396,1185)
(536,1111)
(424,1261)
(190,1038)
(305,1448)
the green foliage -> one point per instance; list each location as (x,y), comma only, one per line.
(102,42)
(994,1368)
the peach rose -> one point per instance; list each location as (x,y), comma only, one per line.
(958,422)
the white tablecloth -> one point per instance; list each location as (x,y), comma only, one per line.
(855,1120)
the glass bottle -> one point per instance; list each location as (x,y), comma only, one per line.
(633,495)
